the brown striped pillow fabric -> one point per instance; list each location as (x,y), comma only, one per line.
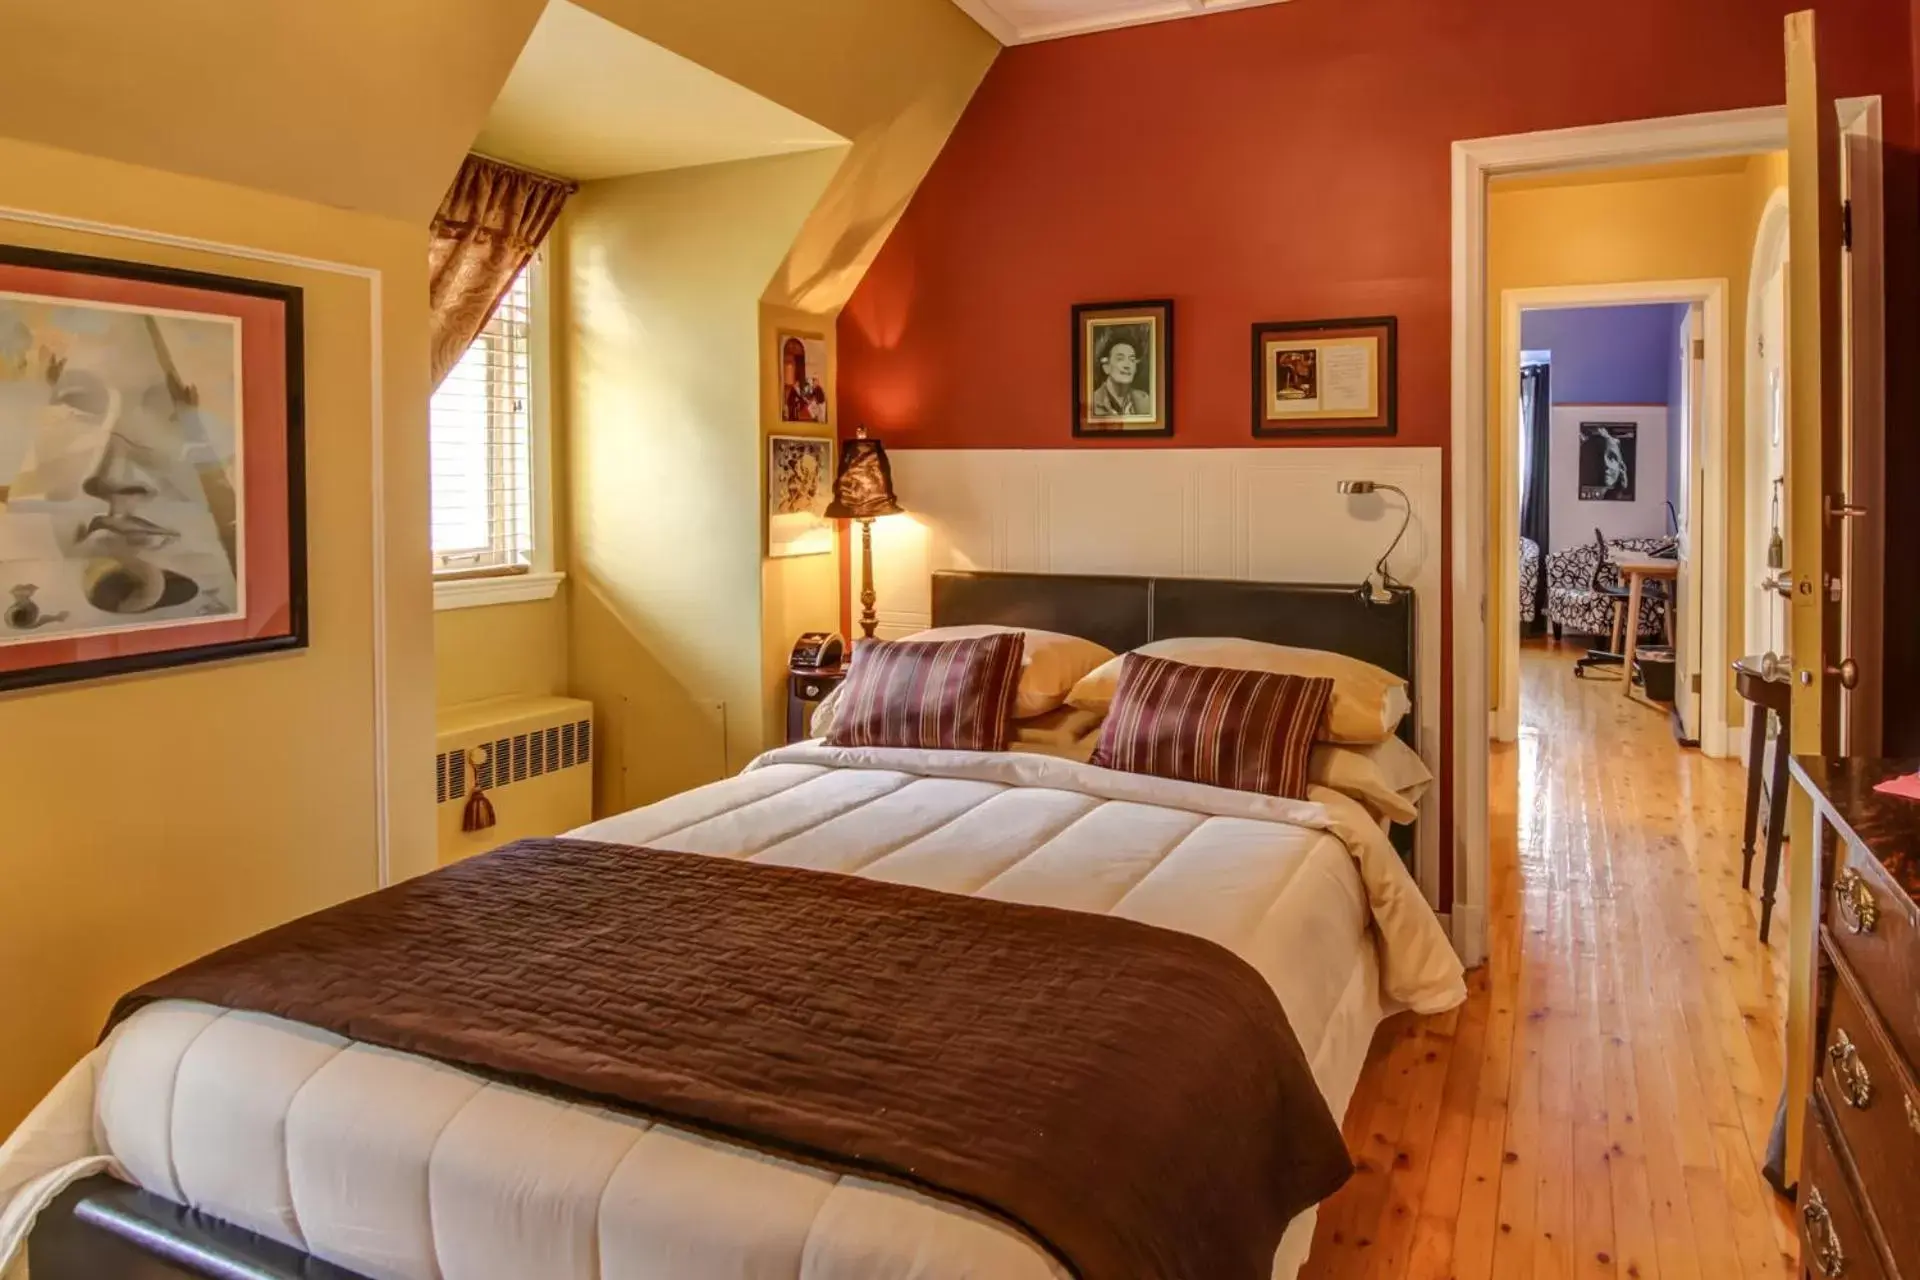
(1246,730)
(947,695)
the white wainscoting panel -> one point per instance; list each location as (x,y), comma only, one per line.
(1266,515)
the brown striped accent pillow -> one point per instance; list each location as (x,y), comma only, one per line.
(1247,730)
(947,695)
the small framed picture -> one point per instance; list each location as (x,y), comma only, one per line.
(1326,378)
(1123,369)
(1609,461)
(803,378)
(799,486)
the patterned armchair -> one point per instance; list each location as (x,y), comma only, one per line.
(1574,606)
(1529,578)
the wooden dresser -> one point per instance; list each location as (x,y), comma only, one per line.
(1860,1181)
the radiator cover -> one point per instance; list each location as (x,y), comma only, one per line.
(538,770)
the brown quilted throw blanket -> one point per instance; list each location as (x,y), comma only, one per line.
(1130,1097)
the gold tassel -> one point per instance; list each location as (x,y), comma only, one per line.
(478,815)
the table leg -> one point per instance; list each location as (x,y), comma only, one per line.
(1756,761)
(1776,828)
(1673,605)
(1635,584)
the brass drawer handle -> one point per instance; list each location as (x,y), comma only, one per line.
(1856,1086)
(1858,911)
(1828,1259)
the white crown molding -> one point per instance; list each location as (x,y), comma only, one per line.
(1012,31)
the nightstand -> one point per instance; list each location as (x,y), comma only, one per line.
(805,689)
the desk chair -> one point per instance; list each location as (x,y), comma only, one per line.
(1606,582)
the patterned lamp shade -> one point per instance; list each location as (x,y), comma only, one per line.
(864,488)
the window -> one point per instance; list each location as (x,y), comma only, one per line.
(481,432)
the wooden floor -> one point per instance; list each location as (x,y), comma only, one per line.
(1601,1104)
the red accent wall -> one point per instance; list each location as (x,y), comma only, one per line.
(1283,162)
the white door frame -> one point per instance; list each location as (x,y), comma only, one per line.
(1709,428)
(1697,137)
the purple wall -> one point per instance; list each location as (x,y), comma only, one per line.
(1606,355)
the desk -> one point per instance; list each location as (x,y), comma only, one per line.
(1637,568)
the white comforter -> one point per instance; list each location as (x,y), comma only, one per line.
(398,1167)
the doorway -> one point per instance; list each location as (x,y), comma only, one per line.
(1642,366)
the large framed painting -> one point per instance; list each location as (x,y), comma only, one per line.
(799,486)
(152,489)
(1123,369)
(1326,378)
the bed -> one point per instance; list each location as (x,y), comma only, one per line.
(302,1153)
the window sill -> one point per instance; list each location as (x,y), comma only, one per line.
(506,588)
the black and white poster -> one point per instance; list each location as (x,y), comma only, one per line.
(1608,461)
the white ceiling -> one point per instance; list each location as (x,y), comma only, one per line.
(589,99)
(1024,21)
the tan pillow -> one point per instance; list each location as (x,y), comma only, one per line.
(1368,703)
(1389,778)
(1053,665)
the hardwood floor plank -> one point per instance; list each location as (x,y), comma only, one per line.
(1600,1105)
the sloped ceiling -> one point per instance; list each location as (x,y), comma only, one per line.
(361,104)
(891,76)
(1024,21)
(589,99)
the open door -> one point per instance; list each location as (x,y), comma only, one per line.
(1689,487)
(1815,468)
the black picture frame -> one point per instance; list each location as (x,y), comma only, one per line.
(291,299)
(1386,422)
(1085,424)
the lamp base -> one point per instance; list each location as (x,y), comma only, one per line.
(869,620)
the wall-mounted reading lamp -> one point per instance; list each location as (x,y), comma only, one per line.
(1383,594)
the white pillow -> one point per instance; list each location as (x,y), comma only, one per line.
(1051,664)
(1368,703)
(1389,778)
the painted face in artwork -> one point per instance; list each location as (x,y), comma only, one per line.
(116,480)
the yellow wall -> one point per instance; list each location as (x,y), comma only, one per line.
(150,819)
(356,104)
(663,405)
(891,75)
(1694,221)
(798,593)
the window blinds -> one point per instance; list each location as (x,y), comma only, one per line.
(481,453)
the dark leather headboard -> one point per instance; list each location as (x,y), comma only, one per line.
(1125,613)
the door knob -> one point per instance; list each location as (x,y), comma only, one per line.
(1838,508)
(1847,673)
(1775,666)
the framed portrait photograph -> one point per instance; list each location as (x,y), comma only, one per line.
(1326,377)
(1123,369)
(803,378)
(152,484)
(1609,461)
(799,487)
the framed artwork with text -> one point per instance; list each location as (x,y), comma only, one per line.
(152,485)
(1326,378)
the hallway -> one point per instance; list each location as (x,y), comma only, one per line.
(1601,1104)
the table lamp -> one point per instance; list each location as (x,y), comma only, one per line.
(863,491)
(1382,594)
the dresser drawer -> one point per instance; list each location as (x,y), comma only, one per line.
(1833,1234)
(1872,923)
(1876,1109)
